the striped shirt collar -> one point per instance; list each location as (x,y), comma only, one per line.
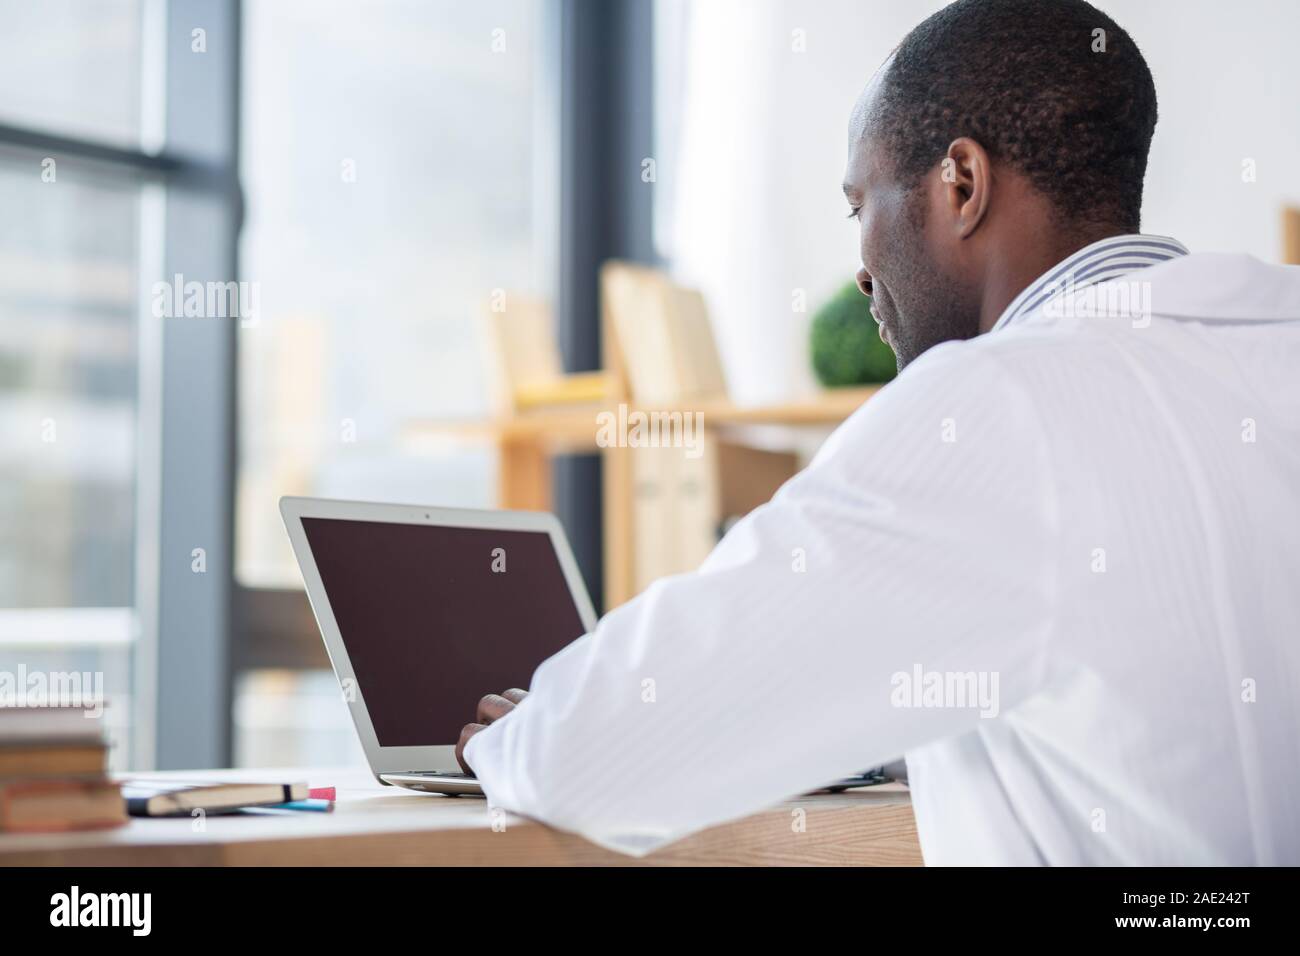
(1102,261)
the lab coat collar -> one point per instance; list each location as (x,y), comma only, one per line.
(1101,261)
(1225,286)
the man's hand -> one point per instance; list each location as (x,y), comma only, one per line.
(490,708)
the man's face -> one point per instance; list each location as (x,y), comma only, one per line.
(908,262)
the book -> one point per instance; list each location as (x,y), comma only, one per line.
(52,770)
(310,805)
(662,336)
(156,798)
(674,510)
(68,758)
(44,723)
(522,351)
(637,302)
(32,806)
(574,389)
(695,351)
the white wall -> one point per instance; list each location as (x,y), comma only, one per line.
(750,155)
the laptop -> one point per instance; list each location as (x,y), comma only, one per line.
(426,610)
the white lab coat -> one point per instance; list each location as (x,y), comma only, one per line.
(1090,523)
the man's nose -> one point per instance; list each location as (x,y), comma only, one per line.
(864,281)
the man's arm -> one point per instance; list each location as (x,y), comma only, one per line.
(918,543)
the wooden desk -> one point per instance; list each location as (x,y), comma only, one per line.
(374,825)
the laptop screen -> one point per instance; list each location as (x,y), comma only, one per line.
(435,617)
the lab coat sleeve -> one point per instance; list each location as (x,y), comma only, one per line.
(918,544)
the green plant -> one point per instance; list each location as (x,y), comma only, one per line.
(845,342)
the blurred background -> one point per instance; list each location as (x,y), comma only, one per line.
(409,192)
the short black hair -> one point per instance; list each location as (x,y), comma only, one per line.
(1035,84)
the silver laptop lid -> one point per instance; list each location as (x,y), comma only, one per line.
(425,610)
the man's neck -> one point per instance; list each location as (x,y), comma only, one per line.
(1027,258)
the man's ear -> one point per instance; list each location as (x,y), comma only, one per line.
(967,182)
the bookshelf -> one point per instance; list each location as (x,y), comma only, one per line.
(663,507)
(526,441)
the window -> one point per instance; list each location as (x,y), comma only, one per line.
(70,303)
(74,67)
(68,307)
(395,161)
(388,162)
(115,174)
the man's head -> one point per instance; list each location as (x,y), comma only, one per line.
(1000,136)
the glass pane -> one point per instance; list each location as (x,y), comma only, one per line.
(293,719)
(389,159)
(72,67)
(68,306)
(68,358)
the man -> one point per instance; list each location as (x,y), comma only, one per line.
(1055,563)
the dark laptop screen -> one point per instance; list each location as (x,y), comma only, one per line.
(433,617)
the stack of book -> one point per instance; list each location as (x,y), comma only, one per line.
(53,771)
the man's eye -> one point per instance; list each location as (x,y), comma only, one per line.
(853,213)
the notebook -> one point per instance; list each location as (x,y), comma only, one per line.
(151,798)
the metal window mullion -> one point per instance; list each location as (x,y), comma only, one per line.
(196,486)
(606,130)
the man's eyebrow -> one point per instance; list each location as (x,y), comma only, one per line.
(849,188)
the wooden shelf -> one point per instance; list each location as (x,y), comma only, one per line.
(578,424)
(526,442)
